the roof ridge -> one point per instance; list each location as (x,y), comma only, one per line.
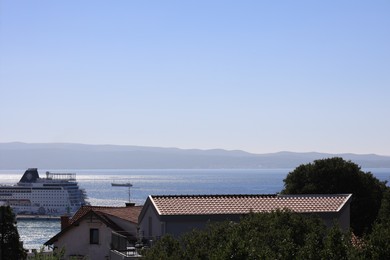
(243,203)
(213,195)
(110,207)
(317,195)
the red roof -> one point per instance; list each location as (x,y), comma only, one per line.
(243,204)
(127,213)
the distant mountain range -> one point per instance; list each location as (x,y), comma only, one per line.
(80,156)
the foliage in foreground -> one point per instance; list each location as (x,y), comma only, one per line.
(276,235)
(42,255)
(377,244)
(10,246)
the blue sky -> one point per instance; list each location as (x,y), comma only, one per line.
(259,76)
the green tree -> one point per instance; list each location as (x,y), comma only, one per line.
(165,248)
(209,243)
(377,244)
(337,244)
(384,211)
(10,245)
(335,175)
(282,235)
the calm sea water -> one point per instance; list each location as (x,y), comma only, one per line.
(97,184)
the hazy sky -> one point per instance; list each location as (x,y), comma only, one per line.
(259,76)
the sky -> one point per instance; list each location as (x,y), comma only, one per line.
(258,76)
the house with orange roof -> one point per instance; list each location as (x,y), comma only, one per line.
(176,215)
(96,232)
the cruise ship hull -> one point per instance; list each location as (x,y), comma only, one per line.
(55,195)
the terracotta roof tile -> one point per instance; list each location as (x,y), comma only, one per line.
(242,204)
(127,213)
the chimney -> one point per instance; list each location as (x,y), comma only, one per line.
(64,222)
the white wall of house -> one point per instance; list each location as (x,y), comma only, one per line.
(77,240)
(127,226)
(177,228)
(345,217)
(150,225)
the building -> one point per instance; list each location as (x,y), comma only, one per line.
(176,215)
(98,232)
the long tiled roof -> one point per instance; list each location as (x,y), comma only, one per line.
(243,204)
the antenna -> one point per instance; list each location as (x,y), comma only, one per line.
(127,184)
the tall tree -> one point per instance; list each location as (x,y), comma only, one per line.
(377,244)
(10,246)
(335,175)
(384,211)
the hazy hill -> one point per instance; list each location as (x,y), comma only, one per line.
(80,156)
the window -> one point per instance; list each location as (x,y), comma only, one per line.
(94,236)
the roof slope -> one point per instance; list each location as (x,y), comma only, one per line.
(243,204)
(129,214)
(126,213)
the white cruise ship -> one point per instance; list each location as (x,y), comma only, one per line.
(55,195)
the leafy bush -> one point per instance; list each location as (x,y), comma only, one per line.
(276,235)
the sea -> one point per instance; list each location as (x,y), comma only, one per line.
(97,184)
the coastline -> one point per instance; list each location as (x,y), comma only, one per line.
(37,217)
